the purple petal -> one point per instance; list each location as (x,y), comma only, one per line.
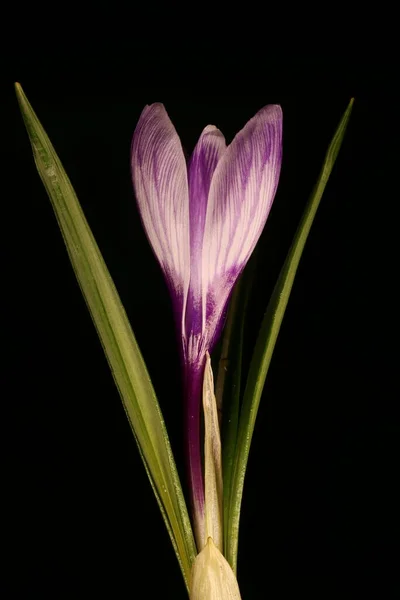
(160,181)
(206,155)
(241,195)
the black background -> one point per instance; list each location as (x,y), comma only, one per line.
(320,507)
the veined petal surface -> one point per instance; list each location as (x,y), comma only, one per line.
(241,194)
(206,155)
(159,176)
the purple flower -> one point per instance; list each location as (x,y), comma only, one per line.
(203,222)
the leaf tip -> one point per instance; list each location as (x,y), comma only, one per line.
(20,94)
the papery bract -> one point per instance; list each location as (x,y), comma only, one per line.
(203,222)
(212,577)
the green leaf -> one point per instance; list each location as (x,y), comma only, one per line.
(267,337)
(229,379)
(119,344)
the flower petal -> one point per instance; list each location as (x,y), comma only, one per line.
(160,181)
(241,195)
(206,155)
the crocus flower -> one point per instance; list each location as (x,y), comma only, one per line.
(203,221)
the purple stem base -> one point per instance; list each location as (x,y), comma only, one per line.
(193,397)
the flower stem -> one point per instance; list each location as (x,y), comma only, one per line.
(193,395)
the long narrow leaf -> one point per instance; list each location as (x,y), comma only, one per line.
(119,344)
(267,337)
(229,380)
